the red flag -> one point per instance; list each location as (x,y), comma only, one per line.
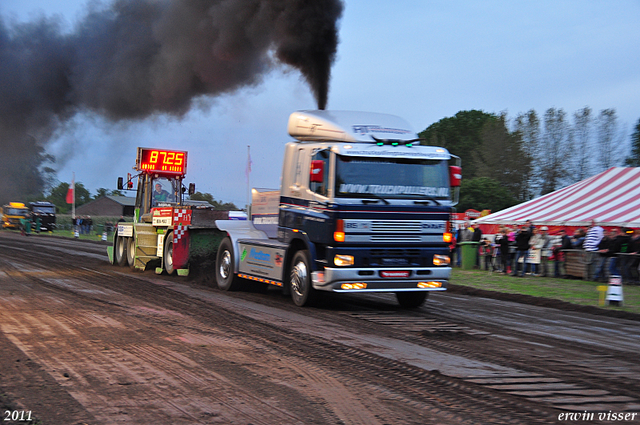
(71,192)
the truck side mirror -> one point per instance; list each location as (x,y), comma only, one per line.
(120,183)
(316,175)
(455,175)
(192,188)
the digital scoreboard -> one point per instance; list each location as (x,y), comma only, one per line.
(162,161)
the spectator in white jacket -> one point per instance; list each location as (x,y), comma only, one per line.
(535,249)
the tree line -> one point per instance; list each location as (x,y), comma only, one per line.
(58,196)
(508,161)
(505,161)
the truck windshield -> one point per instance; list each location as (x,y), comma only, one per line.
(392,178)
(17,211)
(44,209)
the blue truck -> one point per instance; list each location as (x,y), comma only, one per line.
(363,207)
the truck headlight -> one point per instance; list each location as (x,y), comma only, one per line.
(441,260)
(343,260)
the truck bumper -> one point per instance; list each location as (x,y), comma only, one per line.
(371,280)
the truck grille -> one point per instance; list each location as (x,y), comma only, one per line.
(405,226)
(399,257)
(395,238)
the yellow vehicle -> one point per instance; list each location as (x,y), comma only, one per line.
(12,213)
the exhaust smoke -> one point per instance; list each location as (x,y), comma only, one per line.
(131,59)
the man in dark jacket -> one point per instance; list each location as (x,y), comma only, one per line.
(634,261)
(621,247)
(558,251)
(476,236)
(522,249)
(605,245)
(502,239)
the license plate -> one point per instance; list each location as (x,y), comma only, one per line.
(395,273)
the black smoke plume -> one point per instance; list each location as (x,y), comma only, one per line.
(134,58)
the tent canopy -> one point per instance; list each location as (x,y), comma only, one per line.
(611,199)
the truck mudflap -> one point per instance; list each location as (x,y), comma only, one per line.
(381,280)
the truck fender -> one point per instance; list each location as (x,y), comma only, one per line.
(237,230)
(297,243)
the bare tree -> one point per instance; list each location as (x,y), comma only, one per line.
(554,150)
(527,126)
(610,140)
(580,144)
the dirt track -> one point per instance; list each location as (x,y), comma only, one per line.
(82,341)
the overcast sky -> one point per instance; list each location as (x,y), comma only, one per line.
(423,60)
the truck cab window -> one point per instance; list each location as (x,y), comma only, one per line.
(320,167)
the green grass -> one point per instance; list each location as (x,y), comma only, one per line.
(574,291)
(70,234)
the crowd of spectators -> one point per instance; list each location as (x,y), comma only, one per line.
(531,250)
(83,224)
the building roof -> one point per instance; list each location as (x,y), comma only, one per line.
(611,198)
(127,201)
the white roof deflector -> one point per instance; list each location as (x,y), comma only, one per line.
(348,126)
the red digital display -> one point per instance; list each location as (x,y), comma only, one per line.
(162,161)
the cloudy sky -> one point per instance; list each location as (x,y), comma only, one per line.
(422,60)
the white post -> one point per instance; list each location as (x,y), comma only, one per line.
(248,175)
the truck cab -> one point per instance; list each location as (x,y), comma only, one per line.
(44,214)
(363,207)
(12,213)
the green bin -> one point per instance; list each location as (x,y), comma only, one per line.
(469,252)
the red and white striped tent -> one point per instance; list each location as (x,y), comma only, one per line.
(611,198)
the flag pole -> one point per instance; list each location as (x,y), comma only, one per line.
(248,177)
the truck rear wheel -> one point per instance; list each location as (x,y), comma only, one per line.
(131,252)
(167,257)
(302,292)
(120,251)
(225,273)
(412,299)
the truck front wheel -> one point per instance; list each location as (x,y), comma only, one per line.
(302,292)
(411,299)
(225,273)
(120,251)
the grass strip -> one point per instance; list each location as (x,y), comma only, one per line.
(573,291)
